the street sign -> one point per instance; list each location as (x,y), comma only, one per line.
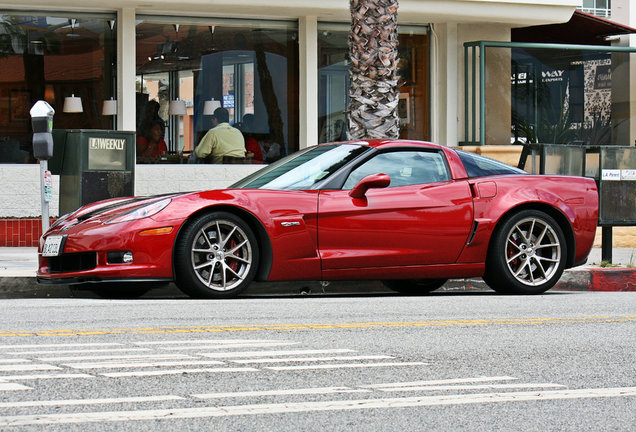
(48,186)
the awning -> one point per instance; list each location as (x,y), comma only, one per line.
(583,28)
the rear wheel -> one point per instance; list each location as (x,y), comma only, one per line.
(216,256)
(527,254)
(414,286)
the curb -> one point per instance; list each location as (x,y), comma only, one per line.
(613,279)
(586,279)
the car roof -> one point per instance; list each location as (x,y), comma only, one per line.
(386,143)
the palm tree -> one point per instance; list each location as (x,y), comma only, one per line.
(373,55)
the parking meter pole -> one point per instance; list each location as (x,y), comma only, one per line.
(44,167)
(606,244)
(42,124)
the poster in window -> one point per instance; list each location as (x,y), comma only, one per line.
(404,108)
(19,101)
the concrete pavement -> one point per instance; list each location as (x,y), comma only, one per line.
(18,267)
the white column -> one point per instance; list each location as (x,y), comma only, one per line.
(446,83)
(126,70)
(308,85)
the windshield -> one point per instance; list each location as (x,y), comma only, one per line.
(303,169)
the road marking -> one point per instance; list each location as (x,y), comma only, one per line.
(271,353)
(312,359)
(90,351)
(4,386)
(176,372)
(440,382)
(207,341)
(27,367)
(112,365)
(68,402)
(470,387)
(64,345)
(226,346)
(43,376)
(119,357)
(344,365)
(283,392)
(12,361)
(323,326)
(313,406)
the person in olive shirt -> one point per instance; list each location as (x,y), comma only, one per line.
(221,140)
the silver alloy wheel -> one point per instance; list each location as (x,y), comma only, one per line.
(221,255)
(533,251)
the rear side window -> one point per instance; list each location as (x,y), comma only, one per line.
(404,167)
(480,166)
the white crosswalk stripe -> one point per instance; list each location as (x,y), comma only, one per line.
(273,353)
(58,345)
(5,386)
(177,372)
(43,376)
(27,367)
(226,346)
(103,401)
(79,351)
(141,364)
(142,360)
(211,341)
(313,406)
(118,357)
(344,366)
(311,359)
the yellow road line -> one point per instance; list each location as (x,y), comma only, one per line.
(319,326)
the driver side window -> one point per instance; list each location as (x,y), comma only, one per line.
(404,167)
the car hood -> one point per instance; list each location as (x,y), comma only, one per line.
(107,209)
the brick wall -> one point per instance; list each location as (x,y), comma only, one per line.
(24,232)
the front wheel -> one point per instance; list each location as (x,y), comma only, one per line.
(527,254)
(216,256)
(414,286)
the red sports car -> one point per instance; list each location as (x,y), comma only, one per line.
(411,214)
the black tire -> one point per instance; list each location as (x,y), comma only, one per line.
(216,256)
(527,254)
(414,286)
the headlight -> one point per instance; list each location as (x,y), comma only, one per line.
(141,212)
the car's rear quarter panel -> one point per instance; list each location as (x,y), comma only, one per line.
(571,199)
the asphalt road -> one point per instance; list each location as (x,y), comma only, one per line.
(449,361)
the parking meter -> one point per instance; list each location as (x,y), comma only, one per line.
(42,123)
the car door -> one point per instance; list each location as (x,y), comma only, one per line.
(423,217)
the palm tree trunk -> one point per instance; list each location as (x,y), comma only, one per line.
(373,55)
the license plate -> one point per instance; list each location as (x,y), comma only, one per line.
(53,245)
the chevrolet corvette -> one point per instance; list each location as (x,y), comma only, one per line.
(411,214)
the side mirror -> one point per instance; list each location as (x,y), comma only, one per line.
(373,181)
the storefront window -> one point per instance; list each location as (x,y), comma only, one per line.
(51,57)
(248,67)
(333,81)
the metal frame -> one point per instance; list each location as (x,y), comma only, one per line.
(478,49)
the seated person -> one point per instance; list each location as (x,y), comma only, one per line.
(271,150)
(152,144)
(251,144)
(253,150)
(221,140)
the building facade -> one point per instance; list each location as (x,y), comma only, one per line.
(279,67)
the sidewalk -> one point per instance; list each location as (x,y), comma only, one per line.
(18,267)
